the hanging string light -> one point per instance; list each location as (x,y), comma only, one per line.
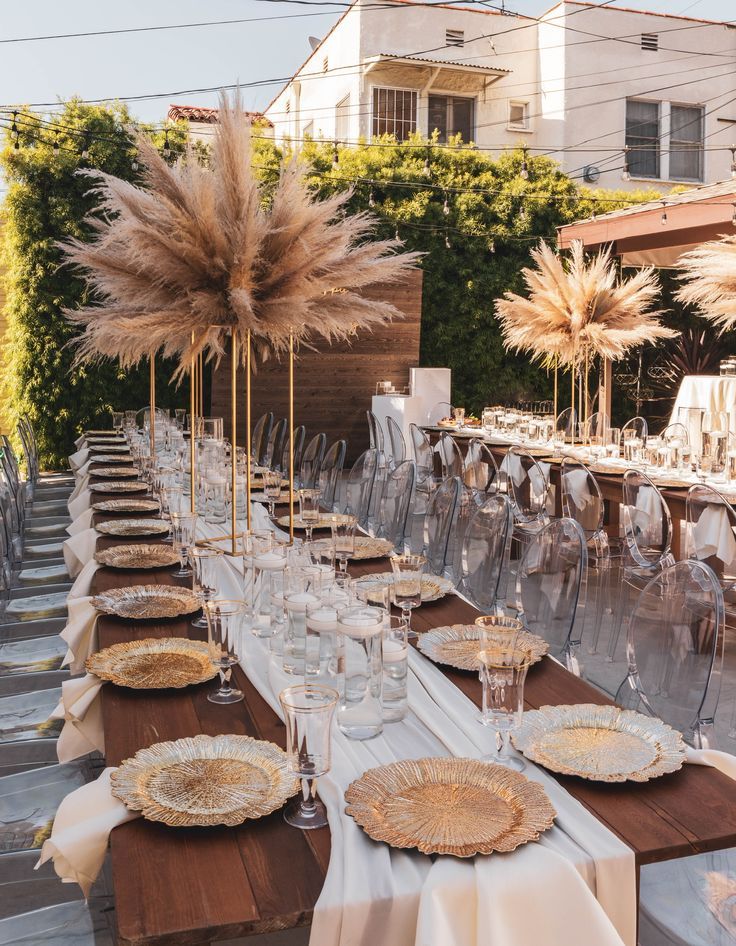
(371,199)
(447,240)
(626,172)
(492,247)
(56,143)
(732,149)
(446,207)
(664,213)
(84,153)
(427,170)
(134,162)
(524,167)
(166,150)
(733,216)
(335,156)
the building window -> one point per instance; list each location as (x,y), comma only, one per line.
(342,119)
(518,116)
(394,112)
(308,130)
(288,107)
(642,137)
(650,41)
(326,64)
(686,143)
(450,116)
(454,38)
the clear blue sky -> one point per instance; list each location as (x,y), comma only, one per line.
(172,60)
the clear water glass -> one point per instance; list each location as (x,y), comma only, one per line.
(612,441)
(117,420)
(407,589)
(323,657)
(359,711)
(715,440)
(302,586)
(206,565)
(308,711)
(269,560)
(272,489)
(184,525)
(394,696)
(497,630)
(215,487)
(309,509)
(343,538)
(503,674)
(224,633)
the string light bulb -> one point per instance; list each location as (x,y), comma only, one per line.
(492,247)
(626,172)
(335,156)
(371,199)
(427,170)
(733,161)
(524,167)
(84,152)
(166,150)
(663,218)
(447,241)
(134,162)
(446,207)
(14,127)
(56,143)
(733,216)
(396,234)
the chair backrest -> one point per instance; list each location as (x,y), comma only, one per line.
(566,420)
(526,484)
(710,534)
(676,431)
(675,646)
(330,472)
(299,435)
(396,439)
(259,438)
(548,584)
(581,497)
(395,504)
(359,487)
(638,425)
(450,456)
(311,462)
(375,431)
(486,547)
(438,411)
(423,453)
(275,444)
(594,429)
(480,470)
(647,522)
(438,522)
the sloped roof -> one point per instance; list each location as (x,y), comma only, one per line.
(206,116)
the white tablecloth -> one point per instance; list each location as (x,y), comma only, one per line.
(708,392)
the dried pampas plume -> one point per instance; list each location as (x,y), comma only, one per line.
(709,274)
(199,252)
(577,309)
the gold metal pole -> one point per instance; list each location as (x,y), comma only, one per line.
(152,405)
(200,374)
(248,436)
(234,436)
(291,438)
(572,403)
(192,425)
(555,408)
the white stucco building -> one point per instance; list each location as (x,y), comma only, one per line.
(608,92)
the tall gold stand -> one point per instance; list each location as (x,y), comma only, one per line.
(248,435)
(555,401)
(192,427)
(152,404)
(572,403)
(234,438)
(291,438)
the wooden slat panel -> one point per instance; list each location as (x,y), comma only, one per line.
(334,385)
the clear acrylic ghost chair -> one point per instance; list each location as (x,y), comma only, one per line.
(438,523)
(548,587)
(397,442)
(710,536)
(311,461)
(25,716)
(638,425)
(593,430)
(566,421)
(28,802)
(450,456)
(377,443)
(485,554)
(375,432)
(468,501)
(583,502)
(395,505)
(299,435)
(527,486)
(424,459)
(359,486)
(275,444)
(259,437)
(480,470)
(437,412)
(330,473)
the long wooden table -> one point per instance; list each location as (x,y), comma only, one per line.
(193,886)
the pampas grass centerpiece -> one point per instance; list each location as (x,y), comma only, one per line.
(709,276)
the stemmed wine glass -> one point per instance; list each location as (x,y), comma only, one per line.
(224,632)
(309,509)
(408,571)
(308,711)
(343,539)
(184,525)
(272,489)
(503,670)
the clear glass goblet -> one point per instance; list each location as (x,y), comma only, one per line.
(309,509)
(503,672)
(308,712)
(343,539)
(407,589)
(184,525)
(206,564)
(272,489)
(224,620)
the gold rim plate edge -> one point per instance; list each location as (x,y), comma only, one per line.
(434,587)
(154,664)
(138,556)
(127,527)
(437,645)
(147,602)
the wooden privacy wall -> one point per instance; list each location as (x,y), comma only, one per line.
(333,386)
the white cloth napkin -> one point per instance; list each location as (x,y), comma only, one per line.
(81,709)
(77,506)
(576,484)
(82,483)
(79,441)
(723,761)
(712,535)
(82,522)
(81,586)
(80,633)
(78,459)
(78,550)
(81,828)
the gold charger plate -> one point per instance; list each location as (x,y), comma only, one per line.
(125,527)
(154,664)
(205,780)
(113,472)
(434,587)
(601,743)
(452,806)
(138,556)
(456,645)
(325,521)
(126,505)
(143,602)
(366,547)
(119,486)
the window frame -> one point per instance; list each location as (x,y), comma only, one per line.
(448,97)
(525,105)
(342,103)
(393,88)
(699,149)
(635,173)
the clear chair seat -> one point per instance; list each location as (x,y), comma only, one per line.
(43,574)
(25,716)
(34,607)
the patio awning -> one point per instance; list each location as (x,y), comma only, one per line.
(417,72)
(657,232)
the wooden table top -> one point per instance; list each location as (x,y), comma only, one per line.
(185,886)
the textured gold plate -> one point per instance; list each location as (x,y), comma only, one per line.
(205,780)
(156,664)
(125,527)
(126,505)
(325,521)
(365,547)
(119,486)
(138,556)
(602,743)
(449,806)
(434,587)
(457,645)
(144,602)
(116,472)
